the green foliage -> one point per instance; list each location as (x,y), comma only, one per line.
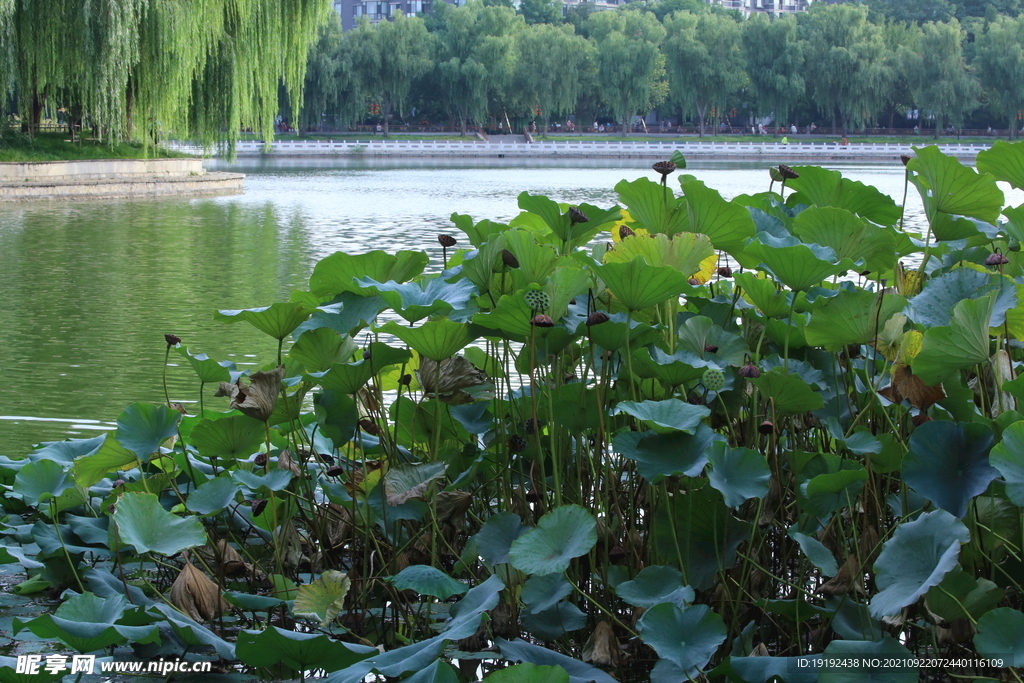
(748,457)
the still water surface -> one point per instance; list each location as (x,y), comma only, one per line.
(88,289)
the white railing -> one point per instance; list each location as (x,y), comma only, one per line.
(654,148)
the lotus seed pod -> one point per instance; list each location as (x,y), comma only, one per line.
(905,159)
(537,299)
(625,231)
(509,259)
(920,419)
(788,173)
(577,216)
(749,371)
(725,271)
(172,340)
(258,506)
(766,427)
(333,472)
(693,282)
(542,320)
(260,459)
(369,426)
(713,380)
(596,318)
(996,259)
(516,444)
(446,240)
(530,426)
(664,167)
(710,348)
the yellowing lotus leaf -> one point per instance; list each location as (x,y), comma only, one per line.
(626,221)
(684,252)
(707,268)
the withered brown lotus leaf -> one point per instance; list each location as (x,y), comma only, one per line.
(452,505)
(905,384)
(848,576)
(285,462)
(456,373)
(196,595)
(602,647)
(761,650)
(258,399)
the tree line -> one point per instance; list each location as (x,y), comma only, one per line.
(848,66)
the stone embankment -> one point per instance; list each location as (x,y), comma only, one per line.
(112,179)
(515,146)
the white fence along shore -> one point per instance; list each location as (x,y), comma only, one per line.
(660,148)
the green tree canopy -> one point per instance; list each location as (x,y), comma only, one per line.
(774,64)
(548,67)
(938,76)
(1000,60)
(541,11)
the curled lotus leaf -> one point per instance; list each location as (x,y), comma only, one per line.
(258,399)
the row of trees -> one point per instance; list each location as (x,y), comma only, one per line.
(845,63)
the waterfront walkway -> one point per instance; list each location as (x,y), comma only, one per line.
(515,147)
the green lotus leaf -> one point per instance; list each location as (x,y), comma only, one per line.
(320,348)
(278,320)
(144,523)
(322,599)
(254,603)
(435,339)
(478,233)
(416,300)
(820,556)
(40,481)
(702,539)
(111,457)
(826,493)
(767,669)
(1004,161)
(673,370)
(739,474)
(860,651)
(796,611)
(465,615)
(962,344)
(613,335)
(961,596)
(530,673)
(347,314)
(543,591)
(764,294)
(208,370)
(854,316)
(555,621)
(822,187)
(63,452)
(1014,227)
(496,536)
(1008,457)
(237,436)
(563,285)
(947,463)
(1001,635)
(274,480)
(684,251)
(797,265)
(653,207)
(212,497)
(727,225)
(564,533)
(298,651)
(848,235)
(193,634)
(439,671)
(408,480)
(917,556)
(655,585)
(142,427)
(699,333)
(949,189)
(87,622)
(933,307)
(638,285)
(579,672)
(10,666)
(338,272)
(348,378)
(337,416)
(418,656)
(665,455)
(510,318)
(666,417)
(427,580)
(548,211)
(852,620)
(687,637)
(788,393)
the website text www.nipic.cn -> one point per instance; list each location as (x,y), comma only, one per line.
(87,664)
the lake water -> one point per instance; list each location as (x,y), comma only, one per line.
(88,289)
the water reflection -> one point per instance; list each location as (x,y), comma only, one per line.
(87,290)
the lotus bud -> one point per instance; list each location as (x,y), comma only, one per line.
(369,426)
(775,174)
(695,400)
(260,459)
(327,458)
(713,379)
(749,371)
(710,348)
(172,340)
(118,482)
(693,281)
(516,444)
(766,427)
(596,318)
(577,216)
(725,271)
(865,273)
(905,159)
(530,426)
(996,259)
(920,419)
(335,471)
(537,300)
(664,167)
(542,320)
(787,173)
(405,380)
(446,240)
(625,231)
(509,259)
(367,354)
(258,506)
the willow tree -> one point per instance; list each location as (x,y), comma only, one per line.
(704,61)
(774,60)
(389,57)
(132,68)
(1001,63)
(631,66)
(549,62)
(939,78)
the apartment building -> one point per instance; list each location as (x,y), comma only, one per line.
(379,10)
(775,7)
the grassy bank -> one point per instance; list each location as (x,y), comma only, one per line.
(56,147)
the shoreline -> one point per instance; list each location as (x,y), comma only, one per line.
(113,179)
